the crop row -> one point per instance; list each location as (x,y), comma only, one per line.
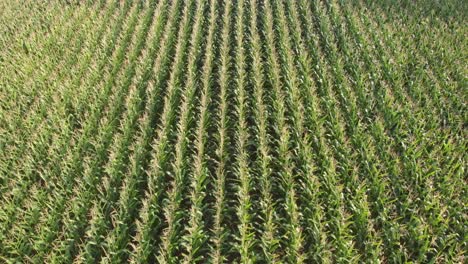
(232,131)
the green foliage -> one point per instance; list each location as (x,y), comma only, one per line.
(252,131)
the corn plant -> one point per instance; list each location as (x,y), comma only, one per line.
(251,131)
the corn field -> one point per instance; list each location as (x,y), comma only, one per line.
(248,131)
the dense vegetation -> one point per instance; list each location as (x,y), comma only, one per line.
(250,131)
